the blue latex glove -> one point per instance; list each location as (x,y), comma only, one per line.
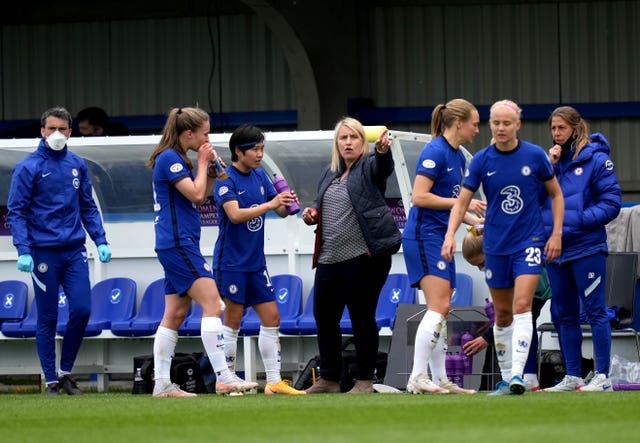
(104,253)
(25,263)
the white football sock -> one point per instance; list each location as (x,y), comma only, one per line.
(269,346)
(164,346)
(427,337)
(437,362)
(503,343)
(230,346)
(521,341)
(532,379)
(210,330)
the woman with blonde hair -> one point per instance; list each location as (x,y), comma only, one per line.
(355,239)
(511,172)
(439,173)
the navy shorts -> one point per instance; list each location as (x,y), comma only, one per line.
(501,270)
(182,266)
(422,257)
(246,288)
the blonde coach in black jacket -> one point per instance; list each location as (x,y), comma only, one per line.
(355,239)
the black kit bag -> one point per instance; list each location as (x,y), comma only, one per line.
(309,374)
(186,371)
(552,369)
(311,371)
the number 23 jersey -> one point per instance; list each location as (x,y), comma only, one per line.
(512,182)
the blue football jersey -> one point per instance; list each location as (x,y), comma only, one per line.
(240,247)
(177,220)
(511,182)
(445,165)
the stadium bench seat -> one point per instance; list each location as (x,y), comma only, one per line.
(288,292)
(396,289)
(14,295)
(463,293)
(112,299)
(149,315)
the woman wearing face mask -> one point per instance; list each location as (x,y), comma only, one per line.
(50,205)
(593,198)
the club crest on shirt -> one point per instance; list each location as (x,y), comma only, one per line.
(441,265)
(526,171)
(578,171)
(74,172)
(233,289)
(43,267)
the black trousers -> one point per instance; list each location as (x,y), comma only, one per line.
(356,284)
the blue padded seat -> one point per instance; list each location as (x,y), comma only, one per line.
(112,299)
(288,291)
(14,295)
(463,293)
(149,315)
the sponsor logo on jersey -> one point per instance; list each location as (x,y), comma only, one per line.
(429,164)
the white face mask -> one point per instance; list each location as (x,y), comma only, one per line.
(56,141)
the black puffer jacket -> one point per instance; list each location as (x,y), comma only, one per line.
(366,186)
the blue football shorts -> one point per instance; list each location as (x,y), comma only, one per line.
(182,266)
(246,288)
(422,257)
(501,270)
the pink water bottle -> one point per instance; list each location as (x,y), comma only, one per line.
(281,186)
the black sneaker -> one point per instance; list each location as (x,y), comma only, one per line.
(68,384)
(52,389)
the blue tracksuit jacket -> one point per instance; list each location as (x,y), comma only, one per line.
(50,200)
(592,198)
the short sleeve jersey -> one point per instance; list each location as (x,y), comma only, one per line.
(445,165)
(177,221)
(511,182)
(240,247)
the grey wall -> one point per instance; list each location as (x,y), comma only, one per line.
(142,58)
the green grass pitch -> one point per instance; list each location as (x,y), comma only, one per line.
(326,418)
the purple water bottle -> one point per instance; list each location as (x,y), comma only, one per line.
(450,366)
(489,310)
(281,186)
(467,360)
(458,369)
